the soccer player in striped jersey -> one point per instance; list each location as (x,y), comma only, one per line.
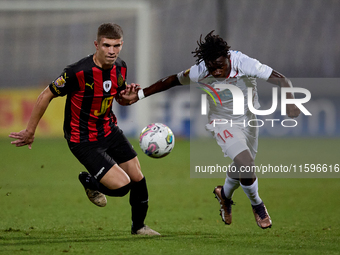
(216,65)
(90,126)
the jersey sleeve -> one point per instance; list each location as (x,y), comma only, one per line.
(183,77)
(193,74)
(198,72)
(252,67)
(64,84)
(122,77)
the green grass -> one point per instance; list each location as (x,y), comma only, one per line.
(44,209)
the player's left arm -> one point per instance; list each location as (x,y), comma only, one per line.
(279,79)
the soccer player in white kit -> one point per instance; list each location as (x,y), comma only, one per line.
(217,65)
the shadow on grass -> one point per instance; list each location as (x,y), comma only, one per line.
(273,241)
(17,237)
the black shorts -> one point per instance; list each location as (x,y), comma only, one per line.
(98,157)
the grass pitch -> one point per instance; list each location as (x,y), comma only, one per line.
(44,209)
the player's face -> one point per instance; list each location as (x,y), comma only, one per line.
(107,51)
(219,68)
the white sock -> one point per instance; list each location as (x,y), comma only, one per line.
(252,193)
(230,186)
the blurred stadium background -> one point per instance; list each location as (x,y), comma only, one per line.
(39,38)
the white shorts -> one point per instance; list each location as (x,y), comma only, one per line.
(235,138)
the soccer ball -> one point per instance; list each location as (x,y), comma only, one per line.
(156,140)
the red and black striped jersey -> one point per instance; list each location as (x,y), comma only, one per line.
(90,92)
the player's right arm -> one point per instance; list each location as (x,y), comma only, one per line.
(26,136)
(166,83)
(61,86)
(163,84)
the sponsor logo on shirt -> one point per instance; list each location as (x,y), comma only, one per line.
(213,90)
(89,85)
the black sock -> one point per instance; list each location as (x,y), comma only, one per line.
(139,203)
(120,192)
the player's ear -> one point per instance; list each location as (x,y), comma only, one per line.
(96,44)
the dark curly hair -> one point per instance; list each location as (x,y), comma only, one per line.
(211,48)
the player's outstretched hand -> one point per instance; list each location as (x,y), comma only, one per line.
(22,138)
(129,95)
(292,111)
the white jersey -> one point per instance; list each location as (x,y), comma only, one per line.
(243,74)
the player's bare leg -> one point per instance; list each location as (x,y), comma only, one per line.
(114,183)
(138,198)
(118,181)
(115,178)
(133,169)
(249,184)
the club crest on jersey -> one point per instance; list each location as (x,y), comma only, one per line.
(120,81)
(107,85)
